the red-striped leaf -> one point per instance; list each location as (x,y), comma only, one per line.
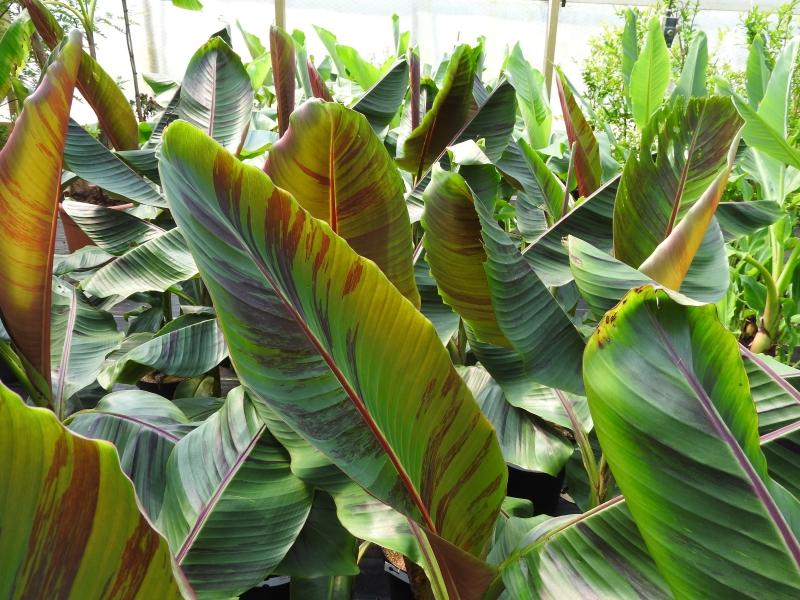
(586,151)
(112,109)
(30,178)
(340,172)
(283,67)
(320,335)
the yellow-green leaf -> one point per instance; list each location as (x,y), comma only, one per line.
(70,526)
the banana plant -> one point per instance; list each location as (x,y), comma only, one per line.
(774,165)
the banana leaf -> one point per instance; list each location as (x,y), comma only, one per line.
(14,49)
(654,194)
(114,231)
(483,276)
(303,315)
(90,160)
(156,265)
(69,522)
(216,94)
(452,108)
(381,102)
(650,76)
(531,98)
(284,64)
(232,508)
(144,427)
(81,338)
(672,409)
(30,176)
(112,109)
(187,346)
(340,172)
(585,149)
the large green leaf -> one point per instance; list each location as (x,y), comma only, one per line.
(144,427)
(493,122)
(381,102)
(306,317)
(585,149)
(737,219)
(216,94)
(30,175)
(650,76)
(69,523)
(112,109)
(541,189)
(672,410)
(598,554)
(440,314)
(630,47)
(340,172)
(90,160)
(527,441)
(654,194)
(455,253)
(603,280)
(692,82)
(757,73)
(324,547)
(364,73)
(81,338)
(284,65)
(115,231)
(232,507)
(759,134)
(181,349)
(777,101)
(781,451)
(156,265)
(777,400)
(483,276)
(531,97)
(591,220)
(451,109)
(693,254)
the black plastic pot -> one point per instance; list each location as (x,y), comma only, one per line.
(541,489)
(274,588)
(6,376)
(399,588)
(165,388)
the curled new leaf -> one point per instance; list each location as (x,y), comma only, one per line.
(586,150)
(283,67)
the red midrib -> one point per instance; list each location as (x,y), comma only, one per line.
(351,393)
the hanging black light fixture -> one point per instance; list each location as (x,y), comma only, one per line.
(670,24)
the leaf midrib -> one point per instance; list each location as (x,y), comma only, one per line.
(357,401)
(205,511)
(721,428)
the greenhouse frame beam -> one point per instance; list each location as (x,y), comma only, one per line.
(721,5)
(280,13)
(550,43)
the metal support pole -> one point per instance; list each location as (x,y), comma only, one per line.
(550,43)
(280,13)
